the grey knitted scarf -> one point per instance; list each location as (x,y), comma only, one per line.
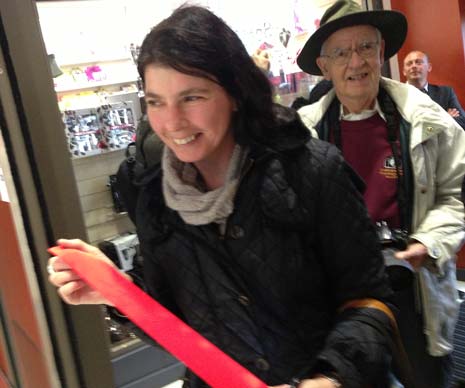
(183,192)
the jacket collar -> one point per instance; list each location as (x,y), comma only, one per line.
(418,109)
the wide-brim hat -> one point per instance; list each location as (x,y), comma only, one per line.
(347,13)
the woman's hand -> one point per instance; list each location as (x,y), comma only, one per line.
(71,288)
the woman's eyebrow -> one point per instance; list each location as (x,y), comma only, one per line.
(181,94)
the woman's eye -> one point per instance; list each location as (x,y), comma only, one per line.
(192,98)
(152,102)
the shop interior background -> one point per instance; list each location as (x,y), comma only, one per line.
(103,32)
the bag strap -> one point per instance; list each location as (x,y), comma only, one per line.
(399,355)
(373,304)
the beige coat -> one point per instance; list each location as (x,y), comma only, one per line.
(437,151)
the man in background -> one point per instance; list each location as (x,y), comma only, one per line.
(416,69)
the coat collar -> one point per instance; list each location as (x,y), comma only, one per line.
(426,118)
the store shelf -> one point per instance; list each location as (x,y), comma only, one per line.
(94,85)
(103,99)
(97,151)
(120,93)
(94,60)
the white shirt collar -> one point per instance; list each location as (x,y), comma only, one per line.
(365,114)
(424,87)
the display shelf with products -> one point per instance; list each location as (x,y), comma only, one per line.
(94,84)
(94,59)
(96,74)
(99,101)
(87,99)
(96,130)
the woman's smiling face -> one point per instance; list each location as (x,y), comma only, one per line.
(191,115)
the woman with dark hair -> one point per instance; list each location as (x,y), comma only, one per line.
(251,232)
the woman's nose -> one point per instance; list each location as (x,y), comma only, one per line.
(174,118)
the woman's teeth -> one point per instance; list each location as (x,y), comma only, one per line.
(185,140)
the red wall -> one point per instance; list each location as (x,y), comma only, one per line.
(436,28)
(18,298)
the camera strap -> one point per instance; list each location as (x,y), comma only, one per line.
(393,129)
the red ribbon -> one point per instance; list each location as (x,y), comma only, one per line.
(207,361)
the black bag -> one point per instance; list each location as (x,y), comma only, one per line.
(142,158)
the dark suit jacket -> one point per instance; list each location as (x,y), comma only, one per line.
(446,97)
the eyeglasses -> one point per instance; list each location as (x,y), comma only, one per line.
(341,56)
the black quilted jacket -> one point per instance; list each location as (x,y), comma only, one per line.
(298,245)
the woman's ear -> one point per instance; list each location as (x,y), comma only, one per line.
(234,104)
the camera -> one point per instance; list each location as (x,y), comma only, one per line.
(391,238)
(400,272)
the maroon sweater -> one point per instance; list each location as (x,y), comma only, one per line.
(367,150)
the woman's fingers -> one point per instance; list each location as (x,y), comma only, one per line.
(79,245)
(71,292)
(84,247)
(55,264)
(77,292)
(71,288)
(60,278)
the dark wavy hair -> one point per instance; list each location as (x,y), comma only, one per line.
(195,41)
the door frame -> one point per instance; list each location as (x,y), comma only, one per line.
(48,202)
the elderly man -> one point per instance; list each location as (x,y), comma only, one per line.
(416,68)
(411,155)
